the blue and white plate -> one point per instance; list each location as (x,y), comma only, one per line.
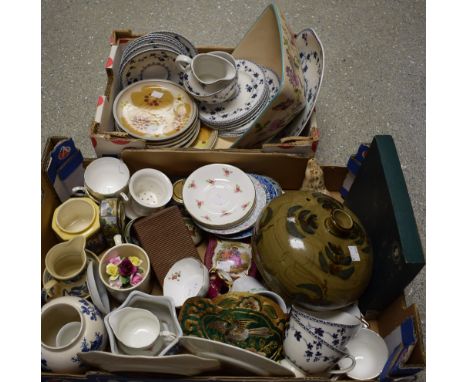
(273,86)
(178,42)
(312,62)
(151,64)
(253,89)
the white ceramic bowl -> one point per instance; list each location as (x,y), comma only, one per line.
(186,278)
(370,352)
(106,177)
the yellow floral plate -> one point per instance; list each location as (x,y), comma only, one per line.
(206,138)
(155,110)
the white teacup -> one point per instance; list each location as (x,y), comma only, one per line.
(104,177)
(149,191)
(371,353)
(138,331)
(208,69)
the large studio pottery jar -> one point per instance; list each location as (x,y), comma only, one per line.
(312,250)
(69,325)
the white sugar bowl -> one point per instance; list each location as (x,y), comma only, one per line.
(69,325)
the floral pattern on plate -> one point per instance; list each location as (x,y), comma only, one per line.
(214,194)
(290,99)
(272,190)
(252,88)
(312,62)
(260,202)
(156,110)
(273,86)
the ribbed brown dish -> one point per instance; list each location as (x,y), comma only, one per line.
(164,236)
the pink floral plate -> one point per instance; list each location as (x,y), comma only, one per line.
(219,195)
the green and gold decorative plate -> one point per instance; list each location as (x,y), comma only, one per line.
(245,320)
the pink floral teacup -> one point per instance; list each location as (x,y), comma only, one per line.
(124,268)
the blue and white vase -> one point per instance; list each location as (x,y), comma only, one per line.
(69,325)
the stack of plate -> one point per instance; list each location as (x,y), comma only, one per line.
(158,111)
(153,57)
(257,87)
(220,197)
(263,185)
(225,201)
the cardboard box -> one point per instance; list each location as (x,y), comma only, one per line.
(287,169)
(104,138)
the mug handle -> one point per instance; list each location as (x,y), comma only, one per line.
(183,62)
(81,191)
(347,369)
(118,239)
(124,197)
(47,288)
(168,336)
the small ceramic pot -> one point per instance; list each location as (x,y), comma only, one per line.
(336,327)
(112,218)
(69,325)
(138,331)
(76,217)
(104,177)
(309,353)
(124,251)
(149,191)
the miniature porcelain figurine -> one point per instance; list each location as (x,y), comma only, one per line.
(69,325)
(313,180)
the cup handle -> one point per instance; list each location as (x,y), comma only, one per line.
(183,62)
(79,191)
(124,197)
(118,239)
(83,192)
(347,369)
(168,336)
(47,288)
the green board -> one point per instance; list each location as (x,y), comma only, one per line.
(380,199)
